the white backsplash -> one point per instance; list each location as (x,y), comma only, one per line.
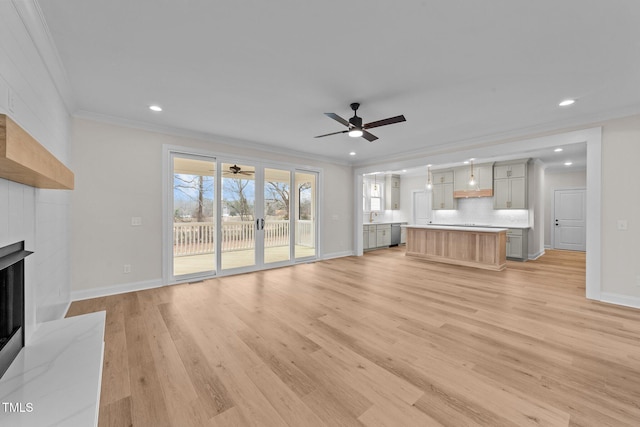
(479,211)
(385,216)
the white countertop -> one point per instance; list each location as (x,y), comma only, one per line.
(58,374)
(384,222)
(458,228)
(523,227)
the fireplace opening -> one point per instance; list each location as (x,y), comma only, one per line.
(11,303)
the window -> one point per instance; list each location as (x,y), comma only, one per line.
(372,194)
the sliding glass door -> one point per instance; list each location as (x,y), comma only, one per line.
(193,214)
(238,221)
(306,205)
(232,216)
(277,216)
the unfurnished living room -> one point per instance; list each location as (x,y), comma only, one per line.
(337,213)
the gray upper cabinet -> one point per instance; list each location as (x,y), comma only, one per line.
(392,192)
(442,190)
(510,185)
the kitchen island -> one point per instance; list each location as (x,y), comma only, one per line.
(480,247)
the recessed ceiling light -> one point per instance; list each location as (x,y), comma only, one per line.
(466,162)
(557,150)
(429,165)
(353,153)
(568,163)
(567,102)
(404,170)
(155,108)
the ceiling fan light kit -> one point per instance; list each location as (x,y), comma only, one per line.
(356,129)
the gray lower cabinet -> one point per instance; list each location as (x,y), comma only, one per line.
(383,237)
(517,244)
(370,237)
(376,236)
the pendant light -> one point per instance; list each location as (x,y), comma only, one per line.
(375,190)
(472,178)
(429,182)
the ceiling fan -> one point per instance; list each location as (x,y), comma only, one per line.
(355,126)
(237,170)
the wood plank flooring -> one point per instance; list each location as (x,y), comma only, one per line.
(378,340)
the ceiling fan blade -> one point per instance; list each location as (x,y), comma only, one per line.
(369,137)
(337,118)
(332,133)
(384,122)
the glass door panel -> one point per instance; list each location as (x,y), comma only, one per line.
(306,186)
(277,214)
(238,216)
(194,215)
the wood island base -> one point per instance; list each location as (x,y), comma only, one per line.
(477,247)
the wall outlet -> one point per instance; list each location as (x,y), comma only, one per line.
(126,269)
(136,221)
(622,224)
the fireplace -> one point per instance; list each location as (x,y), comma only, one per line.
(11,303)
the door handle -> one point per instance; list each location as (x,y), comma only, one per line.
(257,224)
(261,223)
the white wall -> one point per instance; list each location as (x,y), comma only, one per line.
(39,217)
(555,181)
(621,200)
(119,175)
(536,192)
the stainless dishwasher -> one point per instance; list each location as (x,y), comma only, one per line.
(395,234)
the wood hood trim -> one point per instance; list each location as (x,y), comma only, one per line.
(466,194)
(25,160)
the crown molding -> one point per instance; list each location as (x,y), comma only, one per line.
(33,20)
(203,136)
(546,129)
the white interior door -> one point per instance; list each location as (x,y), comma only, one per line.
(421,208)
(569,227)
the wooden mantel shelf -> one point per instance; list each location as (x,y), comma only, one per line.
(25,160)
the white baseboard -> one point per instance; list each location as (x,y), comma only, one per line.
(338,254)
(625,300)
(536,256)
(149,284)
(116,289)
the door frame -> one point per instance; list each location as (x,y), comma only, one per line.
(220,158)
(553,211)
(427,193)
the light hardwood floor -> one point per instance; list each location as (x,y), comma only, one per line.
(381,339)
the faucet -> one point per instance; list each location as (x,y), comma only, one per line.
(371,215)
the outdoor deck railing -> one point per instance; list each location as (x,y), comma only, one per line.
(196,238)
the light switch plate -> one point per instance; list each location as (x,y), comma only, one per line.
(136,221)
(622,224)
